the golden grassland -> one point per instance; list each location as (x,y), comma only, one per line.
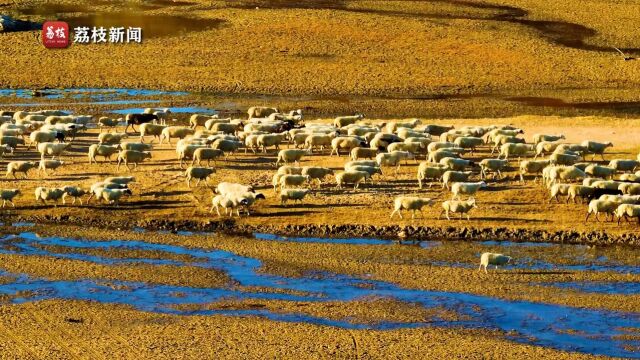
(374,48)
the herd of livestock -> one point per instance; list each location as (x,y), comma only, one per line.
(612,188)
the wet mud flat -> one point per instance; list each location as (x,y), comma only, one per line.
(392,232)
(255,291)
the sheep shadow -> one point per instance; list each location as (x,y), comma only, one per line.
(165,194)
(313,206)
(285,213)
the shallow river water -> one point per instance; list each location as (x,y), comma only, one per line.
(561,327)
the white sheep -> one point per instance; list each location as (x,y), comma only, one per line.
(538,138)
(532,167)
(149,129)
(292,194)
(113,196)
(45,194)
(488,258)
(410,203)
(53,149)
(600,171)
(316,173)
(111,138)
(198,173)
(49,164)
(345,142)
(432,171)
(559,189)
(105,151)
(451,176)
(492,165)
(351,177)
(179,132)
(393,158)
(226,188)
(597,206)
(514,149)
(293,180)
(15,167)
(75,192)
(290,155)
(466,188)
(596,148)
(624,164)
(456,206)
(132,156)
(627,211)
(363,153)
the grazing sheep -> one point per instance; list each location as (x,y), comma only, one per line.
(433,171)
(436,156)
(109,123)
(45,194)
(15,167)
(596,148)
(226,146)
(343,142)
(351,177)
(437,130)
(132,156)
(186,151)
(292,194)
(456,206)
(468,142)
(410,203)
(290,155)
(466,188)
(538,138)
(136,146)
(53,149)
(318,140)
(342,121)
(381,141)
(206,154)
(582,191)
(111,138)
(602,206)
(545,147)
(600,171)
(261,111)
(456,164)
(492,165)
(412,147)
(371,170)
(226,188)
(39,136)
(102,150)
(222,201)
(564,159)
(266,140)
(363,153)
(8,195)
(450,176)
(488,258)
(49,164)
(75,192)
(437,145)
(198,120)
(289,170)
(559,189)
(624,164)
(519,150)
(150,129)
(245,199)
(293,180)
(179,132)
(11,141)
(566,173)
(113,196)
(627,211)
(199,173)
(316,173)
(393,158)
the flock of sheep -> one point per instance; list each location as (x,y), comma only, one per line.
(371,148)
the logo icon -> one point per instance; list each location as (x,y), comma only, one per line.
(55,34)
